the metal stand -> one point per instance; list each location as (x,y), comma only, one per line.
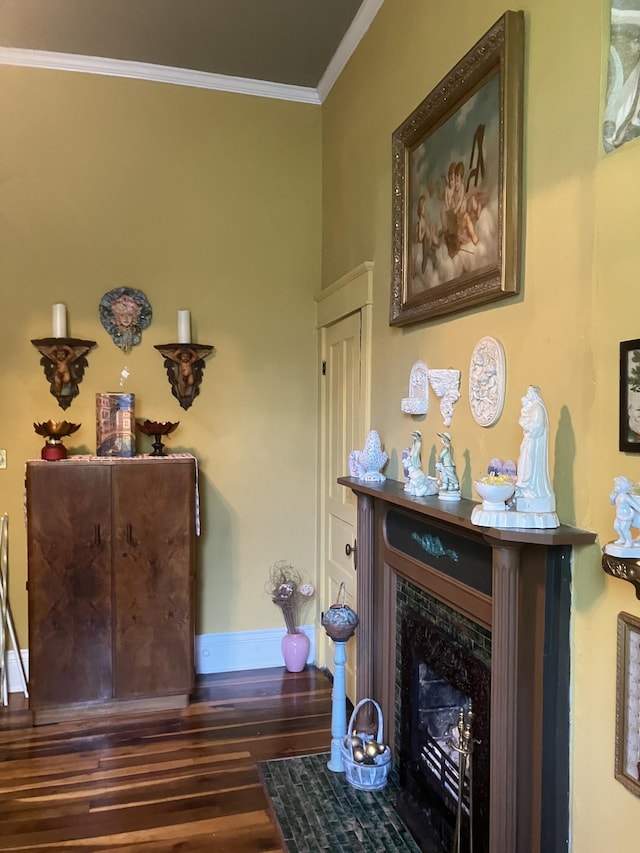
(338,709)
(6,620)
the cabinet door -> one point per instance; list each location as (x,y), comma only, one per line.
(153,529)
(69,582)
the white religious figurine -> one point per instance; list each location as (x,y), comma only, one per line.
(533,486)
(448,485)
(367,464)
(627,504)
(534,500)
(417,483)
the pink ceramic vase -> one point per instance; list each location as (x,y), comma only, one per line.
(295,650)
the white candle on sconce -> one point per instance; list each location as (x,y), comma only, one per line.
(184,327)
(59,320)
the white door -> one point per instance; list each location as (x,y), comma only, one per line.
(341,409)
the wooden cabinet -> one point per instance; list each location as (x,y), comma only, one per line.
(110,582)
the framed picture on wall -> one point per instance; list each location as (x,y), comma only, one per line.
(456,195)
(630,396)
(627,767)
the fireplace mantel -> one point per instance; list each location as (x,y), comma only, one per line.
(527,609)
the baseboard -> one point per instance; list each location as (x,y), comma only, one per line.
(214,653)
(244,650)
(14,675)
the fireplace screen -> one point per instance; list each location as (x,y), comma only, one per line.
(444,739)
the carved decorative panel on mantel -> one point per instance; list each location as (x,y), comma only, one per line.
(525,602)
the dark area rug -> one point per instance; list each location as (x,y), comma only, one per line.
(316,810)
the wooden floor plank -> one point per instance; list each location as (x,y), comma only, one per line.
(161,781)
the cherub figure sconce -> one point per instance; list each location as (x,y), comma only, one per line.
(125,313)
(185,366)
(64,361)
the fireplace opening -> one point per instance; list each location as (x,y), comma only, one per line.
(443,745)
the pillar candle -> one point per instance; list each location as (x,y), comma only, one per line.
(184,327)
(59,320)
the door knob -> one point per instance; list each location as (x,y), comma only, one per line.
(352,549)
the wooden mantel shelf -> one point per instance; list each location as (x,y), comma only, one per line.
(458,513)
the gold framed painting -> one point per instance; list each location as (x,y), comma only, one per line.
(627,765)
(457,174)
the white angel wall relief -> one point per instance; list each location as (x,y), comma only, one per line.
(622,108)
(487,381)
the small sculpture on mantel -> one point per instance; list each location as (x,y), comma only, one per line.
(533,486)
(417,482)
(448,485)
(534,499)
(367,464)
(627,503)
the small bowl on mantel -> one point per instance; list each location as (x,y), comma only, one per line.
(495,495)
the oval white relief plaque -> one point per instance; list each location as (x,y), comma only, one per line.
(487,376)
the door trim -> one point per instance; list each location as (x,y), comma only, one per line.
(351,293)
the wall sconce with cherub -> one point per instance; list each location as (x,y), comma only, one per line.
(184,362)
(64,359)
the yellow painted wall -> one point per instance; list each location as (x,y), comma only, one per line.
(203,200)
(579,299)
(213,202)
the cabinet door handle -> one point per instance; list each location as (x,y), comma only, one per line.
(96,534)
(129,535)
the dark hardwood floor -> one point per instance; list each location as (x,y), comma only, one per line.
(168,781)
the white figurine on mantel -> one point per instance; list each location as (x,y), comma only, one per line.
(627,504)
(535,501)
(367,464)
(448,485)
(417,482)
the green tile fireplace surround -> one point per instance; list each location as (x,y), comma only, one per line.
(511,589)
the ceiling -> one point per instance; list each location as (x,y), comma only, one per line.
(287,43)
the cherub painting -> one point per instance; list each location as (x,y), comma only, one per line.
(454,174)
(185,366)
(64,361)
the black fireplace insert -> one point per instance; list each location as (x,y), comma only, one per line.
(442,687)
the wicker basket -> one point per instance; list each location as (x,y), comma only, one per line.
(365,777)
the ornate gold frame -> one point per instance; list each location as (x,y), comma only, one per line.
(499,52)
(627,764)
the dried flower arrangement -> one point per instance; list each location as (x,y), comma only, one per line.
(288,590)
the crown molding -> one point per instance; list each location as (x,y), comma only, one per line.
(54,61)
(155,73)
(359,26)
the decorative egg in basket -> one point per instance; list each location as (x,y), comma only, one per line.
(366,758)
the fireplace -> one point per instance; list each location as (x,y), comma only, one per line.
(443,684)
(496,603)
